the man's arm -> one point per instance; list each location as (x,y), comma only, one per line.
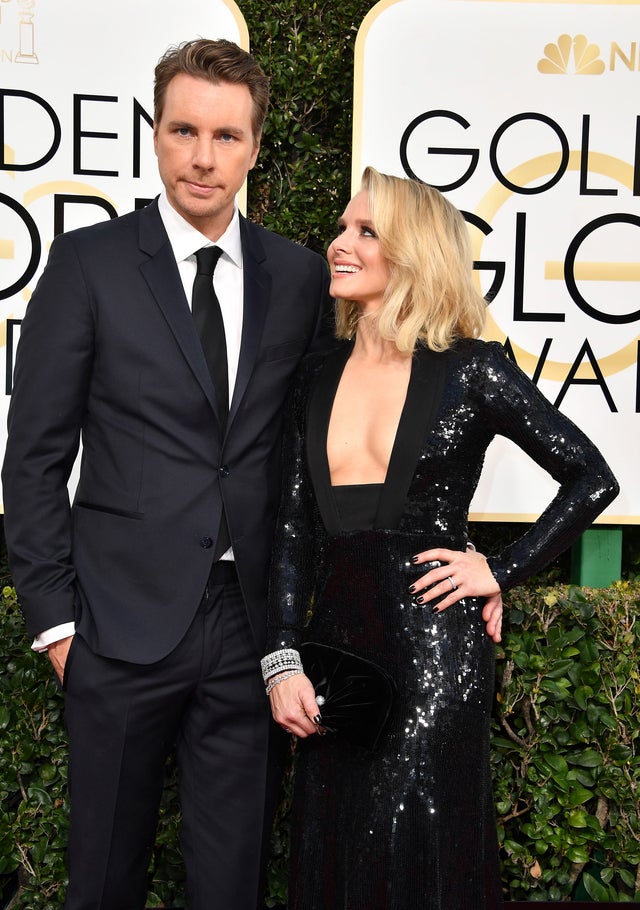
(51,380)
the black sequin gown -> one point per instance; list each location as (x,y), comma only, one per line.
(411,827)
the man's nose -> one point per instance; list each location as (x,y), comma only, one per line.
(203,154)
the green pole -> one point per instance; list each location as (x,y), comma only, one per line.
(596,558)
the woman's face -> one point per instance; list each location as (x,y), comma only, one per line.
(359,271)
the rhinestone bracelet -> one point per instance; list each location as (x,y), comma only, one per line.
(276,680)
(277,661)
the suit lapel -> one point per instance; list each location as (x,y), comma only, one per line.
(257,295)
(163,279)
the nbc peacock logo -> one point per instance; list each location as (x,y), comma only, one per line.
(571,55)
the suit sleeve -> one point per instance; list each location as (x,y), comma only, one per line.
(520,412)
(49,398)
(324,337)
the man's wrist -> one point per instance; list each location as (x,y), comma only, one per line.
(50,636)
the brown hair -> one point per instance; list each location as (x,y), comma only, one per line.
(431,296)
(217,61)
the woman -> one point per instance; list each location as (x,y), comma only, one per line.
(383,452)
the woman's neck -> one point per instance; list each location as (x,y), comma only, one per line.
(370,346)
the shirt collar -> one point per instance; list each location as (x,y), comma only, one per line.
(185,239)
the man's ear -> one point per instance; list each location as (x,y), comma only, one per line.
(256,149)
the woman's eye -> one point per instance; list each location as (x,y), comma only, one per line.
(369,232)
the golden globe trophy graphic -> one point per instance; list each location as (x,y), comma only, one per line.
(26,52)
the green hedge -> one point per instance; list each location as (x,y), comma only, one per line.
(565,757)
(566,744)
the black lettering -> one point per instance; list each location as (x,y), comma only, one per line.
(139,114)
(79,134)
(638,378)
(584,164)
(11,346)
(598,379)
(57,132)
(61,200)
(36,247)
(569,269)
(636,161)
(497,267)
(519,313)
(472,154)
(493,154)
(542,359)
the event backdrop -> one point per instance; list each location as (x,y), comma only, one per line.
(525,114)
(76,111)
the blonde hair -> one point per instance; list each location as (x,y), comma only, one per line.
(431,297)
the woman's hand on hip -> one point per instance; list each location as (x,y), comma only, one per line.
(461,574)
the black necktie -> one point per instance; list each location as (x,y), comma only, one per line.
(207,316)
(208,319)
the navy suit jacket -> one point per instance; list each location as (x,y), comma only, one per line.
(109,353)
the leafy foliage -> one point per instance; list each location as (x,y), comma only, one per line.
(33,767)
(566,744)
(302,180)
(565,758)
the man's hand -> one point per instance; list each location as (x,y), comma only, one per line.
(58,655)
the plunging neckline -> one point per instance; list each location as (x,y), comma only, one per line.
(395,434)
(424,391)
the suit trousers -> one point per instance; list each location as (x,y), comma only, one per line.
(207,697)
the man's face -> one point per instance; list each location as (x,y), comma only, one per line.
(205,148)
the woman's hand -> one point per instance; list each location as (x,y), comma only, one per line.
(462,574)
(492,615)
(294,706)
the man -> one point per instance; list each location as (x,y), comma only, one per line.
(154,638)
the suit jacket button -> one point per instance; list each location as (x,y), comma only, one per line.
(223,470)
(206,543)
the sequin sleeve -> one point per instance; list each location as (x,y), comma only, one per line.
(297,543)
(517,410)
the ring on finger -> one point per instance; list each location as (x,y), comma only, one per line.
(454,586)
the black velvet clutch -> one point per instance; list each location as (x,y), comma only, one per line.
(354,695)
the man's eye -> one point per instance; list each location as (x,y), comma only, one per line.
(183,131)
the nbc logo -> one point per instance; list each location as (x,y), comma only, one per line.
(557,57)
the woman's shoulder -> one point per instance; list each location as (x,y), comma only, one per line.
(475,351)
(483,365)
